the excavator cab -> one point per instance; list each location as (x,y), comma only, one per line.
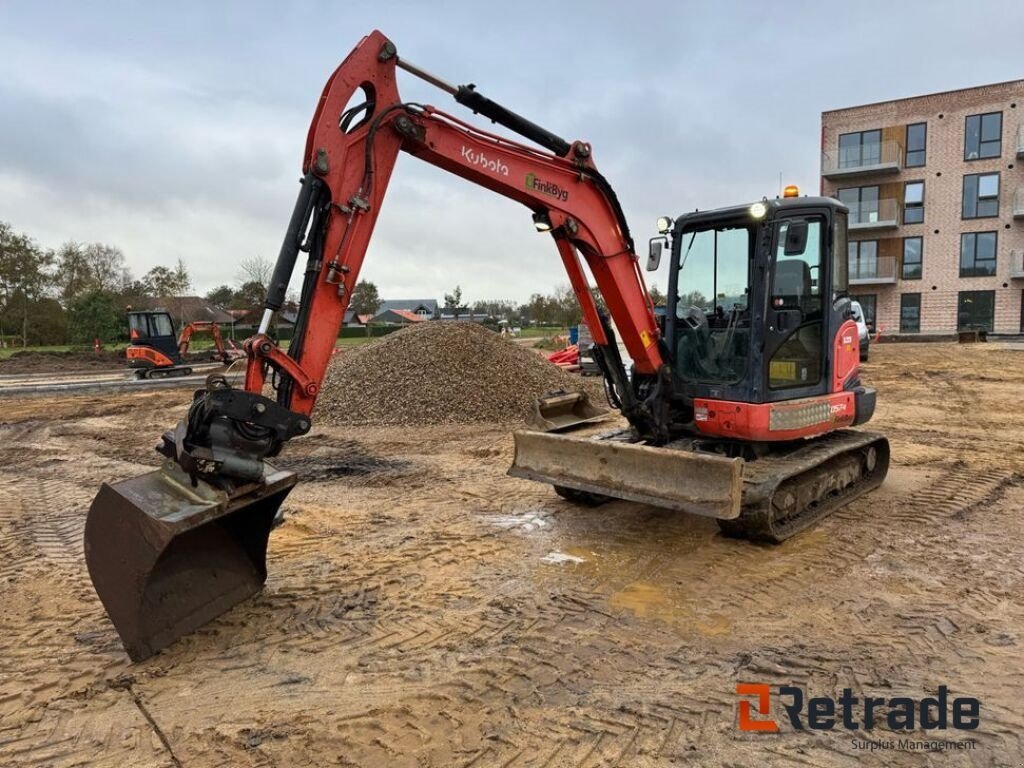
(153,346)
(757,294)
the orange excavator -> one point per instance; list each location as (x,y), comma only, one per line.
(739,399)
(154,352)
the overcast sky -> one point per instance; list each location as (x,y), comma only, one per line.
(177,129)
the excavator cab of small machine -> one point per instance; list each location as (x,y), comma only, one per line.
(152,340)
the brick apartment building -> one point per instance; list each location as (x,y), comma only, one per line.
(935,186)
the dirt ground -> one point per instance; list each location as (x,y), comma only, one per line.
(76,361)
(423,609)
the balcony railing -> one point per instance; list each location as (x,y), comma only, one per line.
(1018,203)
(1017,265)
(881,269)
(877,214)
(882,157)
(1020,141)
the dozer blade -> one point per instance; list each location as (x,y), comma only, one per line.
(559,411)
(702,484)
(166,557)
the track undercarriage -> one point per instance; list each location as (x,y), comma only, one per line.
(787,488)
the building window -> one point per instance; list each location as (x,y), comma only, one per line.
(858,149)
(976,310)
(913,202)
(910,313)
(981,195)
(983,136)
(863,259)
(978,254)
(917,137)
(862,202)
(867,303)
(913,248)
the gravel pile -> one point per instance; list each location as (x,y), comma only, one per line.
(441,373)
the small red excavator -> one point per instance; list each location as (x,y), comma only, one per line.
(739,399)
(154,352)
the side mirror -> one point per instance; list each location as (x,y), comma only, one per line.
(654,251)
(796,238)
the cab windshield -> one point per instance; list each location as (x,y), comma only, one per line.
(712,313)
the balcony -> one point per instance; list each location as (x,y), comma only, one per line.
(1020,141)
(1017,265)
(1018,203)
(877,214)
(880,270)
(863,160)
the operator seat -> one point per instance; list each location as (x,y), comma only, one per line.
(792,283)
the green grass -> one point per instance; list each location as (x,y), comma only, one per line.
(544,331)
(354,341)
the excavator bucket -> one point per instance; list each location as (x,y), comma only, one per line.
(702,484)
(560,411)
(167,556)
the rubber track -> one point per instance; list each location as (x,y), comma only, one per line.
(763,477)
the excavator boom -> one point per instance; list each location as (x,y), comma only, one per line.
(170,550)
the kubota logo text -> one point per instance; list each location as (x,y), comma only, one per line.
(479,158)
(823,713)
(547,187)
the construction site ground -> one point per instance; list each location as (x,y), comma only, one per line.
(424,609)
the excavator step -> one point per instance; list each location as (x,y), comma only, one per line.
(166,555)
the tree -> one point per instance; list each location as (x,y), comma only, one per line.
(182,279)
(365,298)
(256,270)
(453,301)
(250,295)
(106,264)
(83,269)
(567,308)
(656,296)
(24,278)
(695,299)
(73,274)
(164,281)
(221,296)
(96,315)
(158,282)
(541,309)
(38,321)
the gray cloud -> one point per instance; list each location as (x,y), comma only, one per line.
(178,130)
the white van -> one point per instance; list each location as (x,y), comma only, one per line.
(862,329)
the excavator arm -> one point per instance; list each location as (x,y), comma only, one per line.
(206,326)
(170,550)
(349,159)
(360,125)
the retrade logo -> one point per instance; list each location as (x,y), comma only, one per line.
(764,707)
(824,713)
